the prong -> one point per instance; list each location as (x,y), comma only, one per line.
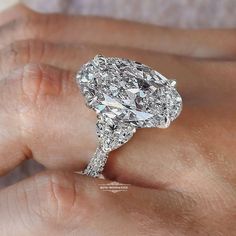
(99,60)
(98,56)
(173,83)
(165,124)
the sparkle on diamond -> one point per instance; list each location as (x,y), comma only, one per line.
(128,91)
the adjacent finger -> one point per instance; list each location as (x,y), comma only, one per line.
(191,74)
(78,29)
(43,115)
(59,203)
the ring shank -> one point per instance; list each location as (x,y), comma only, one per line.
(97,163)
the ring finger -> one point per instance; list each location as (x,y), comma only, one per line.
(127,164)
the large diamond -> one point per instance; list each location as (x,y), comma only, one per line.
(129,92)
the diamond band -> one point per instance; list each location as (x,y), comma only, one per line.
(126,95)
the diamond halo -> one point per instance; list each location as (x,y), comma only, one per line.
(126,95)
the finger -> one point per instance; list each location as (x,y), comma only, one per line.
(190,147)
(58,203)
(45,99)
(59,28)
(71,57)
(44,124)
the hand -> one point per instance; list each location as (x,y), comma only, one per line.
(183,178)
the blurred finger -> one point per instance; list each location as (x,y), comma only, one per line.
(191,74)
(14,13)
(78,29)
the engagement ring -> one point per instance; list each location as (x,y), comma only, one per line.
(126,95)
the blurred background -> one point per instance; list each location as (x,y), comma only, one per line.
(174,13)
(171,13)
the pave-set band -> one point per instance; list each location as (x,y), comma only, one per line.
(126,95)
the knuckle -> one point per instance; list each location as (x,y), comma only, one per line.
(57,197)
(40,82)
(41,25)
(32,25)
(20,53)
(40,88)
(25,24)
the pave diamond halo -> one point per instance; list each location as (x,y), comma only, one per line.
(126,95)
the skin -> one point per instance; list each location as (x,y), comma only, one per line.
(182,178)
